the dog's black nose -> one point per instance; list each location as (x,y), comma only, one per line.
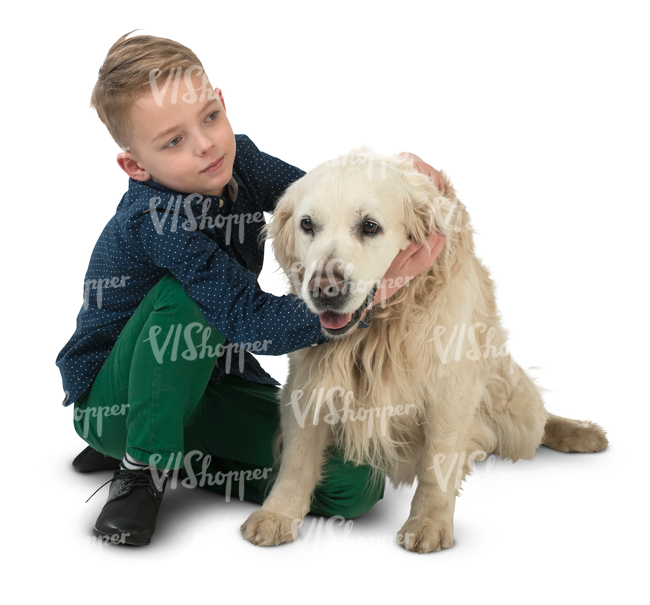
(327,286)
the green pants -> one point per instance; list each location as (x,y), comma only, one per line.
(152,398)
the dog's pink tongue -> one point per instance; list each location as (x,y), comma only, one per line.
(334,321)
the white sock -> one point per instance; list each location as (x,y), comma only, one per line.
(132,464)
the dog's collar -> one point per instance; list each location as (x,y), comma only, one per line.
(371,296)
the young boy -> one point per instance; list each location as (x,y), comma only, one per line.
(172,285)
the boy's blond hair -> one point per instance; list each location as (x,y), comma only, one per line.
(125,76)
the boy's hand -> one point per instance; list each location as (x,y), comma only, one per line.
(424,168)
(407,264)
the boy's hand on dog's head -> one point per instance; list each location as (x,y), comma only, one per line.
(408,263)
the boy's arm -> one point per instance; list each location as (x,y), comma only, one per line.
(227,293)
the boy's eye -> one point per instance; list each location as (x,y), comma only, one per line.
(212,116)
(175,141)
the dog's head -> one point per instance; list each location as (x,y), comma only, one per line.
(337,230)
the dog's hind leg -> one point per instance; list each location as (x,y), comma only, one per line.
(518,418)
(513,409)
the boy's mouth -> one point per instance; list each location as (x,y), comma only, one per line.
(215,165)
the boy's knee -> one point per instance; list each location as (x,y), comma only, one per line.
(171,298)
(94,433)
(93,441)
(171,291)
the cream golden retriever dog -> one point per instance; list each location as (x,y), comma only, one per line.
(430,386)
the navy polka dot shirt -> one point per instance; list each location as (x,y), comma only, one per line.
(211,246)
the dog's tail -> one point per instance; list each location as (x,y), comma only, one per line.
(566,435)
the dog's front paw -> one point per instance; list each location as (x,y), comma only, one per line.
(264,528)
(426,535)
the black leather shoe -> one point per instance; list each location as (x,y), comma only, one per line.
(129,515)
(91,460)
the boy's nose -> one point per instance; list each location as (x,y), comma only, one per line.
(204,144)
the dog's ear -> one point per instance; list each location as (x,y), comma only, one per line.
(282,230)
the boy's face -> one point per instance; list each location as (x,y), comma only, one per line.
(186,145)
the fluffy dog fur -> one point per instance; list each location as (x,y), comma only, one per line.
(437,348)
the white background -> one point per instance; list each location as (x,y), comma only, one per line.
(538,112)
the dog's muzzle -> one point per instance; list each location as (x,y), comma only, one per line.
(336,323)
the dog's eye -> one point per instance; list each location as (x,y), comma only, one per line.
(370,227)
(306,224)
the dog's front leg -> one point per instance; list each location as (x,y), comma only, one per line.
(430,525)
(443,465)
(303,448)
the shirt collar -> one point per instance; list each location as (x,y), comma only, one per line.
(233,189)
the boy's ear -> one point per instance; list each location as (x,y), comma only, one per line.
(282,230)
(129,163)
(220,95)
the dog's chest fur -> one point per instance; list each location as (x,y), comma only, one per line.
(371,417)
